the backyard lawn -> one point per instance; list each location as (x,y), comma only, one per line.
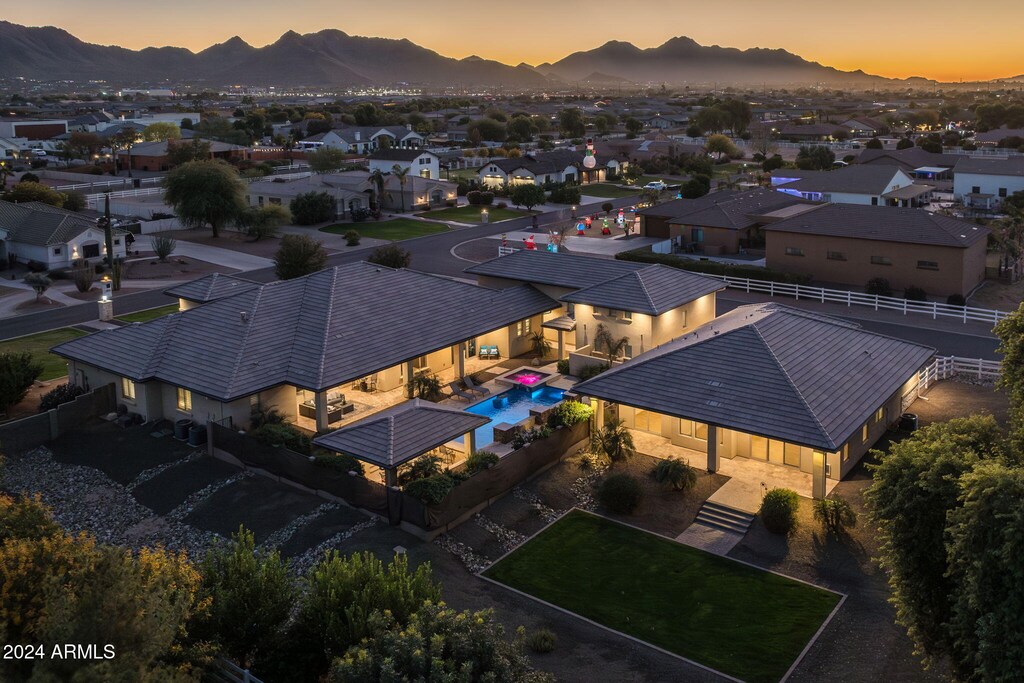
(471,214)
(729,616)
(39,346)
(607,190)
(148,314)
(397,229)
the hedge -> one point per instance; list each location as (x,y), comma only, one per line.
(645,255)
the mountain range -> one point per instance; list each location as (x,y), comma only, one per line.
(332,58)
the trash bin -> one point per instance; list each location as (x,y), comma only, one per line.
(908,422)
(196,435)
(181,428)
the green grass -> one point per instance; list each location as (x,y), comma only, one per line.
(742,621)
(471,214)
(148,314)
(607,190)
(39,346)
(397,229)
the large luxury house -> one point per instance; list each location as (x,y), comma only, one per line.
(560,166)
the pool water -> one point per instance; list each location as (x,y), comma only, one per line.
(511,406)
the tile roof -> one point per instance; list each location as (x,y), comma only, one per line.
(908,159)
(770,370)
(400,433)
(557,270)
(43,225)
(398,154)
(734,210)
(314,332)
(210,288)
(1013,166)
(885,223)
(871,179)
(652,290)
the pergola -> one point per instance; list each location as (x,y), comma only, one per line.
(404,432)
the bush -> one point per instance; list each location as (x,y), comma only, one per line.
(36,266)
(65,393)
(340,462)
(299,255)
(421,468)
(75,201)
(431,490)
(527,436)
(645,255)
(312,207)
(835,514)
(563,366)
(620,493)
(592,371)
(878,286)
(352,238)
(913,293)
(360,214)
(565,194)
(571,413)
(83,278)
(163,246)
(956,300)
(480,461)
(390,256)
(778,510)
(282,435)
(542,641)
(676,473)
(426,387)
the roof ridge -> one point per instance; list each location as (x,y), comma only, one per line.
(245,340)
(327,324)
(643,286)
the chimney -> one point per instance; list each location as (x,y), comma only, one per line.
(408,126)
(244,316)
(359,136)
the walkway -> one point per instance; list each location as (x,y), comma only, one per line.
(748,478)
(221,256)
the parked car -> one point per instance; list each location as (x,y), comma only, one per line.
(39,152)
(656,185)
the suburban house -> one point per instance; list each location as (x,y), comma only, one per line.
(208,288)
(152,156)
(559,166)
(984,183)
(864,126)
(414,161)
(769,383)
(995,136)
(717,223)
(850,244)
(809,132)
(32,129)
(914,161)
(363,139)
(332,346)
(354,190)
(33,231)
(871,184)
(644,304)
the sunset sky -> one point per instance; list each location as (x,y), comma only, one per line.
(881,38)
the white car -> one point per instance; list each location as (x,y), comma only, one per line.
(656,185)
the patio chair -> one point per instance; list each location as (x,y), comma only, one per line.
(473,386)
(457,391)
(494,352)
(483,351)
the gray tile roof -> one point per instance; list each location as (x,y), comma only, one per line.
(43,225)
(652,290)
(315,332)
(398,154)
(558,270)
(884,223)
(1013,166)
(908,159)
(734,210)
(873,179)
(400,433)
(770,370)
(210,288)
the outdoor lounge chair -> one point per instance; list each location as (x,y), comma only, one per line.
(473,386)
(456,391)
(494,352)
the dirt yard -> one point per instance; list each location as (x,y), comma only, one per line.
(1001,297)
(230,239)
(176,268)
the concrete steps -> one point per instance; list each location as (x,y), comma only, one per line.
(718,516)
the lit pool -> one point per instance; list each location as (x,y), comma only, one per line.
(511,406)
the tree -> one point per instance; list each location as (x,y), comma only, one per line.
(763,143)
(299,255)
(489,129)
(28,191)
(390,256)
(520,129)
(83,145)
(904,143)
(633,126)
(124,139)
(17,373)
(815,158)
(613,441)
(720,145)
(378,178)
(25,518)
(632,173)
(695,187)
(250,595)
(309,208)
(1010,331)
(260,222)
(873,143)
(528,195)
(437,644)
(570,122)
(39,282)
(711,120)
(325,160)
(401,173)
(161,130)
(205,193)
(737,114)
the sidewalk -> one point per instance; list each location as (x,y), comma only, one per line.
(222,257)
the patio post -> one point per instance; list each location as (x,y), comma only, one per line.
(408,379)
(470,443)
(818,475)
(561,345)
(461,362)
(320,400)
(712,448)
(391,477)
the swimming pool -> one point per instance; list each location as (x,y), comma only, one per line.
(511,406)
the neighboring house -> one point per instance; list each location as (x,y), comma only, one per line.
(914,161)
(767,382)
(415,162)
(849,244)
(811,132)
(649,304)
(717,223)
(863,126)
(363,139)
(57,238)
(659,122)
(984,183)
(152,156)
(871,184)
(559,166)
(302,343)
(90,122)
(32,129)
(994,137)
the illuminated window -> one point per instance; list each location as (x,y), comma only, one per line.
(685,427)
(880,414)
(184,399)
(127,389)
(864,433)
(701,431)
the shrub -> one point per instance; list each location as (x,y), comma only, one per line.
(299,255)
(528,436)
(592,371)
(956,300)
(480,461)
(571,413)
(360,214)
(312,207)
(282,435)
(65,393)
(431,490)
(501,205)
(473,197)
(340,462)
(563,366)
(75,201)
(913,293)
(163,246)
(542,641)
(676,473)
(426,387)
(352,238)
(565,194)
(83,277)
(607,207)
(778,510)
(390,256)
(878,286)
(835,514)
(645,255)
(421,468)
(620,493)
(36,266)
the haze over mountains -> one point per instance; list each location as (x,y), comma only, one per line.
(332,58)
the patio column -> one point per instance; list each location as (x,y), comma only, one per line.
(460,363)
(712,448)
(320,400)
(470,443)
(408,379)
(561,345)
(391,477)
(818,475)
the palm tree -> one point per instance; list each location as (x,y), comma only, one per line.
(614,347)
(613,441)
(401,174)
(1009,236)
(378,179)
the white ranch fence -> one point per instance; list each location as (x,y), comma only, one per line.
(952,367)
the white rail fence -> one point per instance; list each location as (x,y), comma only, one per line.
(953,367)
(94,199)
(879,303)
